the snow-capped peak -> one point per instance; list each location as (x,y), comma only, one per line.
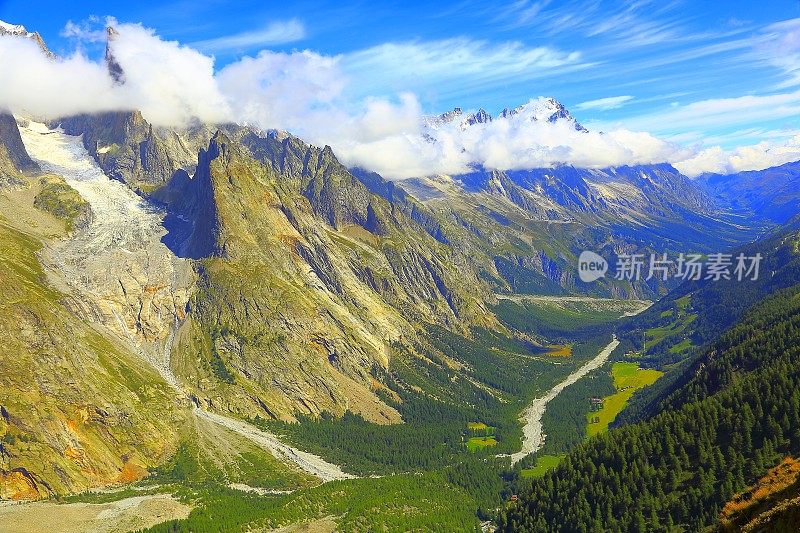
(537,110)
(542,110)
(13,29)
(18,30)
(457,115)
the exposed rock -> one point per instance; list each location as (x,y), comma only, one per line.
(14,159)
(307,278)
(131,150)
(20,31)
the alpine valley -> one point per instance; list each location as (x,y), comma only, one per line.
(221,327)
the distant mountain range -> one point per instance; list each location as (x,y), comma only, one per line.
(258,277)
(770,194)
(537,110)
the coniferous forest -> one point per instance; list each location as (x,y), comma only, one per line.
(737,415)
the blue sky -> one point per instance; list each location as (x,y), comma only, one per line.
(726,73)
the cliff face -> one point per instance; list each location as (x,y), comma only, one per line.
(306,281)
(14,159)
(133,151)
(77,410)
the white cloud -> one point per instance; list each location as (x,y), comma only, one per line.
(604,104)
(755,157)
(318,98)
(519,143)
(780,46)
(452,65)
(279,90)
(34,83)
(281,32)
(170,83)
(715,113)
(85,31)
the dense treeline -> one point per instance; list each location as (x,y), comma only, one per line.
(449,499)
(733,417)
(395,503)
(553,323)
(437,403)
(366,448)
(719,304)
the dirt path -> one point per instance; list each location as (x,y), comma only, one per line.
(532,436)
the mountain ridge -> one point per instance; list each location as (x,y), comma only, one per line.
(542,109)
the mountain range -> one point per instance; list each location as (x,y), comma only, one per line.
(175,298)
(537,110)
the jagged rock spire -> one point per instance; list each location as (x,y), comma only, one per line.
(114,67)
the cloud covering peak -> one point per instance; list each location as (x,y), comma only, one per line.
(317,97)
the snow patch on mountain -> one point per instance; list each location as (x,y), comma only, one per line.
(14,29)
(536,110)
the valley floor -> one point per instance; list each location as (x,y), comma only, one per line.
(533,437)
(128,514)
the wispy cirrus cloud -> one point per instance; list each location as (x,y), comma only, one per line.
(604,104)
(275,33)
(716,113)
(452,66)
(779,46)
(637,23)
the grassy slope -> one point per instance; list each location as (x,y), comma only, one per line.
(771,504)
(397,503)
(543,464)
(56,197)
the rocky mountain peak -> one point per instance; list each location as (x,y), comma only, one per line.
(457,115)
(14,29)
(114,67)
(479,117)
(445,118)
(537,110)
(18,30)
(542,110)
(222,146)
